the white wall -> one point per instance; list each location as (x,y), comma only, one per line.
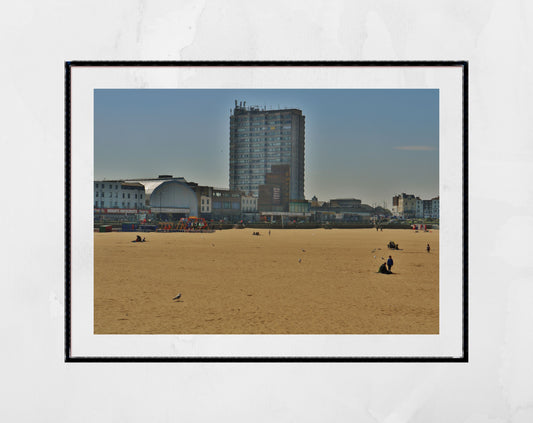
(496,386)
(174,194)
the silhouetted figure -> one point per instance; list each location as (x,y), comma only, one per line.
(390,263)
(383,269)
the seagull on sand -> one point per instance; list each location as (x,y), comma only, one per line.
(177,297)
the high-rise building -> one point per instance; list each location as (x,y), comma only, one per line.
(274,194)
(260,138)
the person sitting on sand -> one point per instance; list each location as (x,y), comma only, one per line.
(428,248)
(383,269)
(138,239)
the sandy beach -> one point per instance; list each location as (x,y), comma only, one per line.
(294,281)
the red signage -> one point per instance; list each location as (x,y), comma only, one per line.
(122,211)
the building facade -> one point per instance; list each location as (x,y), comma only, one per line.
(168,197)
(274,194)
(408,206)
(226,205)
(119,194)
(248,204)
(261,138)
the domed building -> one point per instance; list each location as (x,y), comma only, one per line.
(169,198)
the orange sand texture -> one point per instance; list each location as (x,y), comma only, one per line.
(235,283)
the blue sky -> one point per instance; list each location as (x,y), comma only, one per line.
(365,144)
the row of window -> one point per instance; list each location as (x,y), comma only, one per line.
(271,152)
(247,163)
(245,138)
(110,186)
(116,204)
(247,177)
(245,147)
(241,132)
(103,186)
(262,128)
(268,147)
(269,119)
(116,195)
(224,194)
(226,205)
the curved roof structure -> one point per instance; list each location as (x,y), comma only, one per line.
(170,195)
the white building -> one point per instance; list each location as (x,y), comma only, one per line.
(165,196)
(119,195)
(419,207)
(435,208)
(205,206)
(169,196)
(248,204)
(409,206)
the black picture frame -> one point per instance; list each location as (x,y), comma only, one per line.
(70,65)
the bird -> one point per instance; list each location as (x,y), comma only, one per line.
(177,297)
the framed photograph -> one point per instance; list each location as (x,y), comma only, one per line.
(266,211)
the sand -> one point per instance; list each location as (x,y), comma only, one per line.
(235,283)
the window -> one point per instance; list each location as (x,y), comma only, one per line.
(123,196)
(110,186)
(141,196)
(116,186)
(128,197)
(96,194)
(96,185)
(110,194)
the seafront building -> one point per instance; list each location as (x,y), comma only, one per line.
(166,198)
(119,196)
(409,206)
(261,138)
(274,194)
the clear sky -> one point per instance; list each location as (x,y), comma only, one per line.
(359,143)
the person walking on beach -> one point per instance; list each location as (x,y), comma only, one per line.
(428,248)
(390,263)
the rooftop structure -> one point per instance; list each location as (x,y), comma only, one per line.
(260,138)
